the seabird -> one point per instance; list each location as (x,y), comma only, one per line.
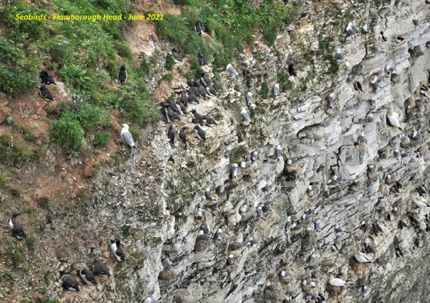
(249,99)
(234,170)
(202,60)
(291,71)
(383,36)
(45,93)
(208,194)
(150,300)
(122,75)
(182,136)
(317,224)
(253,241)
(209,121)
(337,282)
(202,91)
(338,229)
(175,54)
(245,116)
(210,90)
(171,135)
(365,29)
(88,277)
(100,269)
(202,236)
(115,246)
(276,90)
(173,115)
(287,225)
(362,257)
(46,78)
(374,82)
(278,152)
(16,227)
(230,260)
(416,135)
(330,100)
(232,70)
(352,30)
(192,98)
(205,80)
(126,136)
(254,155)
(70,283)
(246,164)
(415,21)
(192,88)
(219,235)
(392,117)
(364,290)
(164,264)
(200,213)
(184,98)
(199,28)
(420,201)
(181,107)
(259,212)
(200,132)
(339,55)
(198,118)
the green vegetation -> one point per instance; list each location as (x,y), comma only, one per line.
(170,62)
(3,178)
(86,55)
(101,139)
(26,133)
(284,82)
(229,23)
(9,120)
(126,231)
(14,153)
(7,275)
(31,242)
(16,255)
(264,90)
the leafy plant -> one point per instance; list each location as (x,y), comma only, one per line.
(101,139)
(264,90)
(68,133)
(31,242)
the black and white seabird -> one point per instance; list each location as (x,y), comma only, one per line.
(205,80)
(198,118)
(16,227)
(330,100)
(46,78)
(202,90)
(278,152)
(202,235)
(245,116)
(184,98)
(208,194)
(339,55)
(352,30)
(200,132)
(175,54)
(173,115)
(70,283)
(219,235)
(45,93)
(182,136)
(171,135)
(122,76)
(127,137)
(115,246)
(199,28)
(150,300)
(254,155)
(209,121)
(211,90)
(230,260)
(181,107)
(232,70)
(249,99)
(192,89)
(234,170)
(193,98)
(100,269)
(202,60)
(291,70)
(276,90)
(88,277)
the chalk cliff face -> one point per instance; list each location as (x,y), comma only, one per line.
(342,164)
